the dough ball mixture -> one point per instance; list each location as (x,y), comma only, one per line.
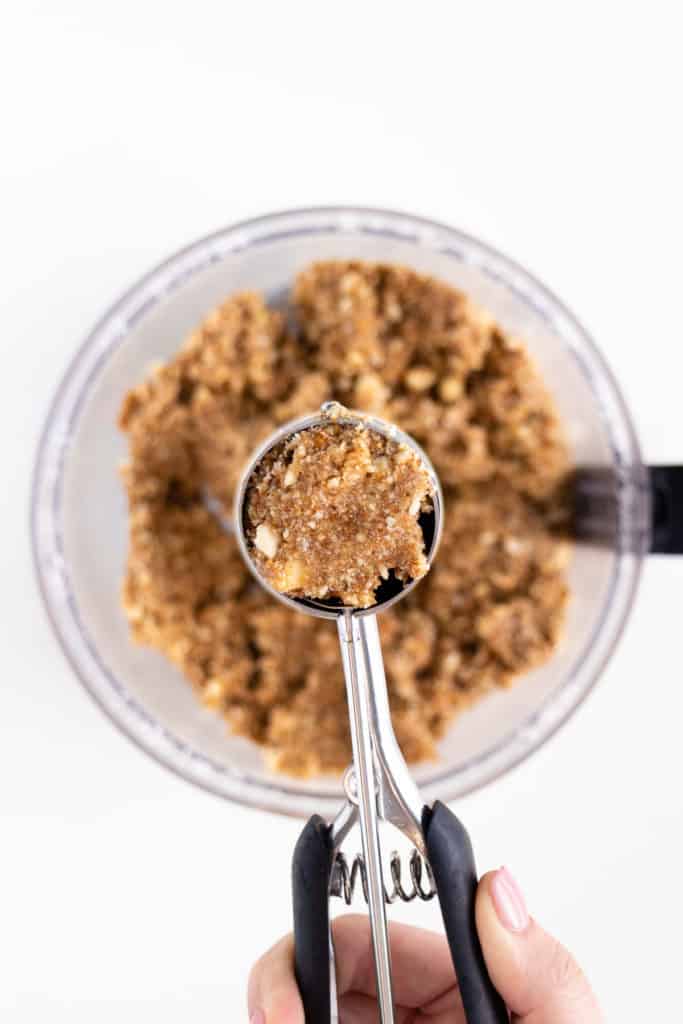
(418,353)
(333,511)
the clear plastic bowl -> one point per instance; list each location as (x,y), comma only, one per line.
(79,514)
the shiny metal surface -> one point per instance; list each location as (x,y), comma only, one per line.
(398,799)
(359,686)
(345,879)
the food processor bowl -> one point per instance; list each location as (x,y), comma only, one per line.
(79,516)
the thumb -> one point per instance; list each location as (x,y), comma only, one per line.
(536,976)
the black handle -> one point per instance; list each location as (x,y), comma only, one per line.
(666,486)
(311,869)
(452,861)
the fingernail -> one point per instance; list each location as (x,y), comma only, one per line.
(257,1017)
(509,902)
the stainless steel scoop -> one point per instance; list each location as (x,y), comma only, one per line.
(378,787)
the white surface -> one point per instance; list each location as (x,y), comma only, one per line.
(130,130)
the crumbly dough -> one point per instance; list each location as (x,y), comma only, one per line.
(333,511)
(386,340)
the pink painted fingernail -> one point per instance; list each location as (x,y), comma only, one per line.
(257,1017)
(509,902)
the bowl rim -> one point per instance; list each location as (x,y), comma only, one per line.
(548,718)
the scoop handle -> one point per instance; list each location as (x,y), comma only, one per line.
(455,875)
(311,870)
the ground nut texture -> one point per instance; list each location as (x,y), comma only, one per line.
(333,511)
(418,353)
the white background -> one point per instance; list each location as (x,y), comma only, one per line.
(128,130)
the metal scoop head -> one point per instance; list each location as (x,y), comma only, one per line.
(391,590)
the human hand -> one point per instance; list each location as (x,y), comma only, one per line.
(536,976)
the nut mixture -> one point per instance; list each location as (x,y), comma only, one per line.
(392,342)
(333,510)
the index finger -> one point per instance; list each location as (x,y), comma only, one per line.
(422,970)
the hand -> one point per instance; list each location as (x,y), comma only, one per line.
(537,977)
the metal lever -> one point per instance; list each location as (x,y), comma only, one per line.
(359,688)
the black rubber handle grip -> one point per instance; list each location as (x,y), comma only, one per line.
(452,861)
(311,868)
(666,484)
